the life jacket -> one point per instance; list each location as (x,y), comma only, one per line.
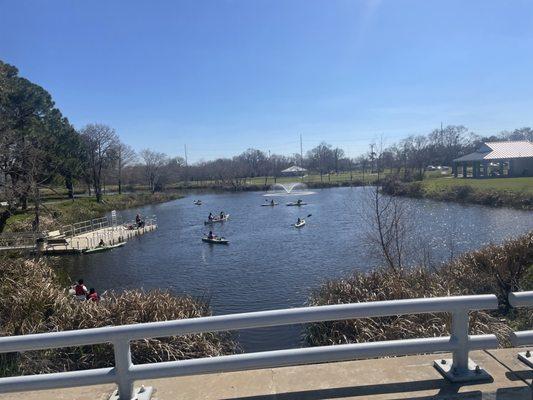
(80,290)
(93,297)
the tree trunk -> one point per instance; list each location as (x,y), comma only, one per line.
(4,216)
(69,186)
(24,202)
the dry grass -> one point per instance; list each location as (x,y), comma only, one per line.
(34,302)
(494,269)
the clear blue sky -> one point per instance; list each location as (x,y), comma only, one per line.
(225,75)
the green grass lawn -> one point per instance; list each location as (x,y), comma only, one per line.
(522,185)
(66,212)
(313,178)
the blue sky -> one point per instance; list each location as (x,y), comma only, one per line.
(225,75)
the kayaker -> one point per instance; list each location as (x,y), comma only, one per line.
(272,202)
(211,236)
(80,289)
(138,220)
(299,221)
(221,214)
(210,218)
(101,244)
(299,201)
(92,295)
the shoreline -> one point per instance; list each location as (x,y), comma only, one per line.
(85,208)
(462,193)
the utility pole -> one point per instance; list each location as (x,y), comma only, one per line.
(186,163)
(372,156)
(301,152)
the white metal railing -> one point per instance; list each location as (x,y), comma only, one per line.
(85,226)
(124,372)
(522,338)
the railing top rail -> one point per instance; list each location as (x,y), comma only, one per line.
(247,320)
(521,299)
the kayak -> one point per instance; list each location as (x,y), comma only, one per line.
(197,202)
(219,240)
(299,225)
(269,205)
(218,219)
(104,248)
(297,204)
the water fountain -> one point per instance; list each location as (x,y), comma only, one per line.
(289,189)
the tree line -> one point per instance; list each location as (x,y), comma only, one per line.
(40,149)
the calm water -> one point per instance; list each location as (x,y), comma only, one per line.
(268,263)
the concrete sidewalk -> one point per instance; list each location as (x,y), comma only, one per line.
(410,377)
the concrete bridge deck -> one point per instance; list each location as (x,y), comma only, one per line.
(411,377)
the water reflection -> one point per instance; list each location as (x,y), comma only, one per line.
(269,264)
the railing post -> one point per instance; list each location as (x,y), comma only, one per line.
(460,368)
(459,334)
(122,366)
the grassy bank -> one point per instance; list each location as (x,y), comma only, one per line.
(70,211)
(34,300)
(493,269)
(497,192)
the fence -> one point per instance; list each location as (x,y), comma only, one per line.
(124,372)
(19,239)
(85,226)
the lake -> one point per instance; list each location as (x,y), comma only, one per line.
(270,264)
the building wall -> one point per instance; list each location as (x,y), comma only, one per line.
(523,166)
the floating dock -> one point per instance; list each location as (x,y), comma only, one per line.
(79,237)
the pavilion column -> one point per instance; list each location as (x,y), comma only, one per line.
(511,167)
(465,169)
(500,170)
(475,169)
(485,169)
(454,169)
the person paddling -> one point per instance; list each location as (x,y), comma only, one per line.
(210,217)
(299,221)
(92,295)
(221,214)
(80,289)
(210,236)
(272,202)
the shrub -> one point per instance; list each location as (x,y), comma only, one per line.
(494,269)
(33,301)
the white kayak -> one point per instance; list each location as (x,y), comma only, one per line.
(197,202)
(300,224)
(217,219)
(296,204)
(269,205)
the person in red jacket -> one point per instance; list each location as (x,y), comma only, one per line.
(92,295)
(80,289)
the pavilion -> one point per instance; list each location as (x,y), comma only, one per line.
(517,156)
(294,170)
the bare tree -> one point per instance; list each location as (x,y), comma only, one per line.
(125,155)
(153,166)
(100,143)
(386,221)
